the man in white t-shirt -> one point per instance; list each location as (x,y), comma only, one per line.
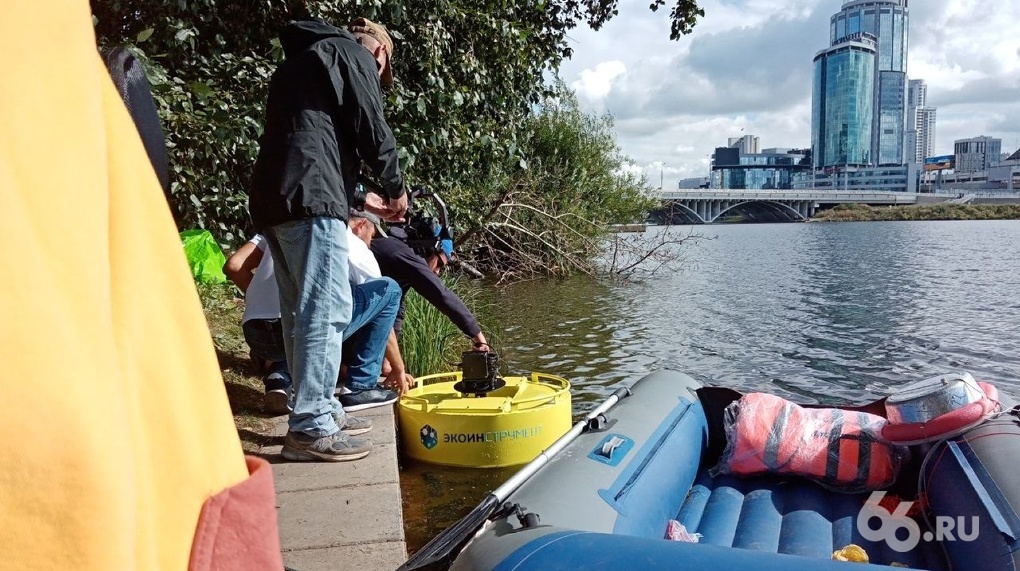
(360,386)
(366,340)
(252,270)
(361,263)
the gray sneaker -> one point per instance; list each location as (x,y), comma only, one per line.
(337,447)
(353,425)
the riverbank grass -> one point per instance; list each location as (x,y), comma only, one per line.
(943,211)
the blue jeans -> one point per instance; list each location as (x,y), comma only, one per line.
(375,309)
(310,262)
(375,305)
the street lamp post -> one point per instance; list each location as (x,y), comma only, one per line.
(662,167)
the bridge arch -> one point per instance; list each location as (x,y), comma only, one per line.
(675,208)
(778,207)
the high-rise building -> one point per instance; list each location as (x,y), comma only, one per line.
(748,144)
(770,169)
(976,154)
(925,120)
(917,94)
(886,20)
(920,122)
(842,105)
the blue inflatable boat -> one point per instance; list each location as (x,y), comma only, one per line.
(609,494)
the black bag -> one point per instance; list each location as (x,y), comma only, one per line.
(129,78)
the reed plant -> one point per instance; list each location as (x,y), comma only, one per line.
(429,342)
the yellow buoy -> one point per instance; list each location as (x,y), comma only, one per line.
(505,427)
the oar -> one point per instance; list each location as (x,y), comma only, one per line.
(442,544)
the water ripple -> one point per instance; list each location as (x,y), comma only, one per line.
(819,312)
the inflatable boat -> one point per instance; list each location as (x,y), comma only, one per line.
(667,474)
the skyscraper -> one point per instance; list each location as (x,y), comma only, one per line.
(917,94)
(883,25)
(920,122)
(842,103)
(976,154)
(925,133)
(748,144)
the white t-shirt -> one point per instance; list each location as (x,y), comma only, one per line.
(361,261)
(262,300)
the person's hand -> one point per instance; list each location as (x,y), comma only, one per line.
(376,204)
(479,343)
(398,381)
(389,209)
(397,208)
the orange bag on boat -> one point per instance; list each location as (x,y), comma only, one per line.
(840,449)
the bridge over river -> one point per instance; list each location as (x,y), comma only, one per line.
(708,206)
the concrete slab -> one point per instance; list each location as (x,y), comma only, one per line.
(362,557)
(379,467)
(341,515)
(336,517)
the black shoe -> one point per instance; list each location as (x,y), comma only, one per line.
(275,402)
(370,398)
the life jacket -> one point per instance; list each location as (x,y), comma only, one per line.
(840,449)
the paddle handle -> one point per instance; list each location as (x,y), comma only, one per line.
(529,470)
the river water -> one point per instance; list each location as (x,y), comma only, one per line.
(816,312)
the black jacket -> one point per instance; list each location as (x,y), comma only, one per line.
(323,117)
(398,261)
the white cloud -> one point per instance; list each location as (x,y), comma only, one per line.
(594,84)
(748,65)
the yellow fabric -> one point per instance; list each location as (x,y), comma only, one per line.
(116,425)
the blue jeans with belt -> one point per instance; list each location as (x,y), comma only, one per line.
(310,263)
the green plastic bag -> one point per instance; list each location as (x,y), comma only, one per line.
(204,256)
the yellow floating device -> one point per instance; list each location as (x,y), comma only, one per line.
(505,427)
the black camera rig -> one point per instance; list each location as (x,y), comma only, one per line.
(479,373)
(426,233)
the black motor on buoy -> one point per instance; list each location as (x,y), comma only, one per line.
(479,373)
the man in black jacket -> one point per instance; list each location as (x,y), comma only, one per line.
(323,118)
(418,268)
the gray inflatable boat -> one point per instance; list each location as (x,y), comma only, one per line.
(605,495)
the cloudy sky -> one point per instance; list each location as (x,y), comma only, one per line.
(746,69)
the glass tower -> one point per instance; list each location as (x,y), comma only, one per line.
(842,103)
(887,21)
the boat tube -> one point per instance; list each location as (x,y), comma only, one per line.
(607,496)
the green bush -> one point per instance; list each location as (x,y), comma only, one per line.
(554,216)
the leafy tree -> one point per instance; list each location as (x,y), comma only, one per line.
(469,74)
(555,216)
